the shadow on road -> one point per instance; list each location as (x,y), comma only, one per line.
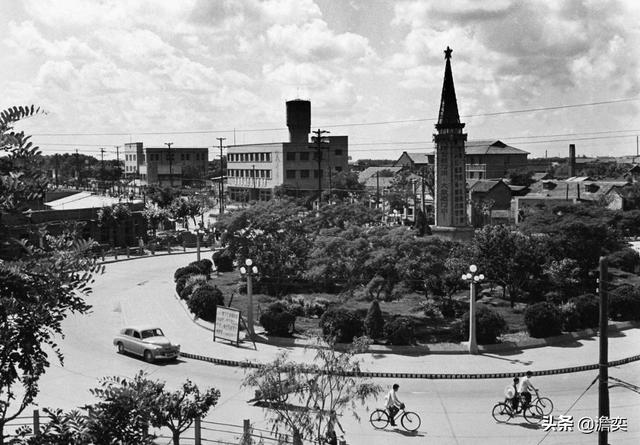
(510,360)
(527,425)
(405,433)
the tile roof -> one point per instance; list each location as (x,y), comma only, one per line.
(589,191)
(491,147)
(483,185)
(371,171)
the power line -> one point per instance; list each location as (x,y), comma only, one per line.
(495,113)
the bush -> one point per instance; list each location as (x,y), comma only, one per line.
(340,325)
(624,303)
(278,320)
(625,259)
(181,283)
(204,302)
(580,313)
(431,309)
(400,331)
(451,308)
(223,261)
(188,270)
(489,325)
(205,266)
(543,320)
(374,322)
(316,308)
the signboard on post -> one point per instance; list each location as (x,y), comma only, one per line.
(227,324)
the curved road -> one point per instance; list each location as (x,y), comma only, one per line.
(452,411)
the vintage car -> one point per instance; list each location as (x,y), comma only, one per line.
(146,341)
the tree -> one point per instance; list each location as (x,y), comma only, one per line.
(401,193)
(154,214)
(344,214)
(39,285)
(110,218)
(185,208)
(163,196)
(374,322)
(317,393)
(520,176)
(177,410)
(274,234)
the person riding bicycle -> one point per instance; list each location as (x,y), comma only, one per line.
(511,394)
(525,388)
(393,404)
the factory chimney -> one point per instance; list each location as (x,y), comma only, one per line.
(572,160)
(299,120)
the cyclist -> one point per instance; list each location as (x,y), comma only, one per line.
(393,403)
(525,388)
(511,394)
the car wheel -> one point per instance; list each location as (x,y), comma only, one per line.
(120,348)
(148,357)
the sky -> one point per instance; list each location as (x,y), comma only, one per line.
(536,74)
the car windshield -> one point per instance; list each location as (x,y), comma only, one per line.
(152,333)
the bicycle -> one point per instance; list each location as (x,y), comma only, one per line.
(503,412)
(409,420)
(544,403)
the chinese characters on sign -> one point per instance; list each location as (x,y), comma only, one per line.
(585,425)
(227,324)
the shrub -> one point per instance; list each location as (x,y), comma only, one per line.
(580,313)
(374,322)
(191,284)
(625,259)
(340,325)
(205,265)
(431,309)
(543,320)
(204,302)
(451,308)
(181,283)
(489,325)
(223,261)
(400,331)
(316,308)
(278,320)
(188,270)
(624,303)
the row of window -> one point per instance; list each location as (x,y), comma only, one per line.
(305,155)
(249,157)
(158,157)
(248,173)
(305,174)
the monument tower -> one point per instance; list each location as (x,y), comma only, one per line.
(450,175)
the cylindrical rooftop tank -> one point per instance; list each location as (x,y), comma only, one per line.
(299,120)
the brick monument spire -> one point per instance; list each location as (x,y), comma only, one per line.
(450,175)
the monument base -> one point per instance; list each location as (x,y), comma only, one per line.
(453,233)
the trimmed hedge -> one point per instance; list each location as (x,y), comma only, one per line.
(400,331)
(340,325)
(580,312)
(278,320)
(223,261)
(624,303)
(374,321)
(185,271)
(489,325)
(543,320)
(205,266)
(204,302)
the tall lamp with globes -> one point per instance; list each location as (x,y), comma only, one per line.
(249,270)
(473,278)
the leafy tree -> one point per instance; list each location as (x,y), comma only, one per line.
(317,393)
(374,322)
(343,214)
(39,285)
(274,235)
(177,410)
(421,224)
(563,276)
(111,217)
(520,176)
(401,193)
(155,215)
(163,196)
(184,208)
(346,185)
(70,428)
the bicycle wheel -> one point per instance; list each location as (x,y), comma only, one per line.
(379,419)
(533,414)
(410,421)
(502,412)
(545,404)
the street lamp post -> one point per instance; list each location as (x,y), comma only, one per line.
(249,271)
(473,278)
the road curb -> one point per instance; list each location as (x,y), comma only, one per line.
(424,376)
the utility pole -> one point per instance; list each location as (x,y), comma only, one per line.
(170,158)
(222,175)
(318,137)
(377,190)
(603,364)
(118,165)
(102,150)
(57,170)
(77,156)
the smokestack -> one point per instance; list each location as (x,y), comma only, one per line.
(299,120)
(572,160)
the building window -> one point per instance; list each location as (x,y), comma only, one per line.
(291,174)
(338,152)
(268,172)
(304,156)
(304,174)
(315,174)
(291,156)
(268,157)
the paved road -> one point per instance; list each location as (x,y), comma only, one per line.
(453,411)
